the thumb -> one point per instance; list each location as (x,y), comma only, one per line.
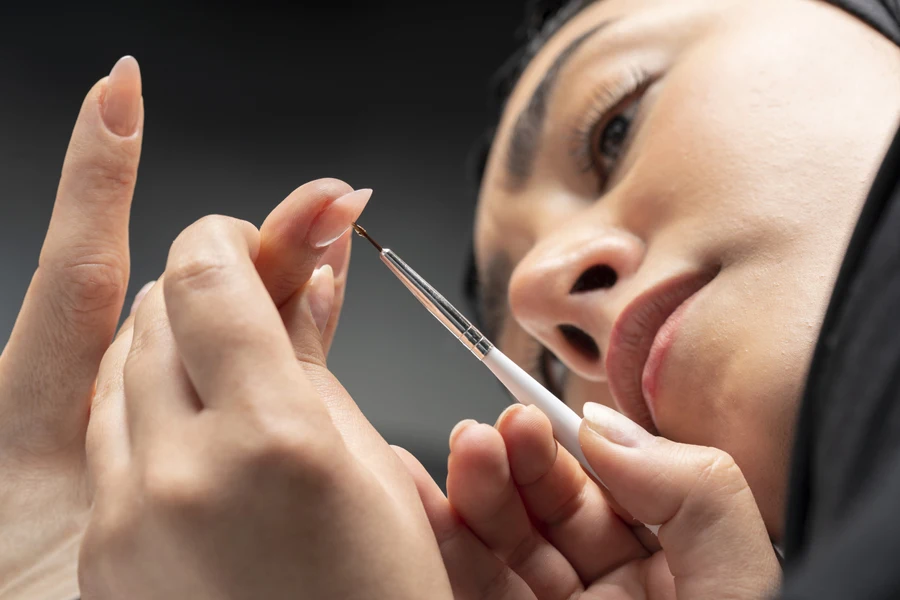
(710,528)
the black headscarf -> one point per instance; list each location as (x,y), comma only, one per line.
(883,15)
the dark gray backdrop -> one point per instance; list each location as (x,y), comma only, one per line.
(243,104)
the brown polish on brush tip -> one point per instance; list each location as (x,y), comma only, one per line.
(362,232)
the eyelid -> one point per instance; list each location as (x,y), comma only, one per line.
(627,87)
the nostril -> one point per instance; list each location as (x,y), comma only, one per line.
(580,341)
(598,277)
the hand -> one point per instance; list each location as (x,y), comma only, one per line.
(523,519)
(66,323)
(228,462)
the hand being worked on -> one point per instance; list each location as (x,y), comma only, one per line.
(66,323)
(523,520)
(228,461)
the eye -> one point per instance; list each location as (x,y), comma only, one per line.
(609,138)
(554,373)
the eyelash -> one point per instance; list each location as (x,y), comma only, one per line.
(606,104)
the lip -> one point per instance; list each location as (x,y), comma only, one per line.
(636,332)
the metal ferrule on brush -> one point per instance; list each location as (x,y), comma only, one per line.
(437,305)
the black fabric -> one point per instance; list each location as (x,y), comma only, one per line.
(843,533)
(842,537)
(883,15)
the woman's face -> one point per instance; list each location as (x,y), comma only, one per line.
(666,205)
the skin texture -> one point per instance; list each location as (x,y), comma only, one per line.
(223,460)
(748,157)
(49,367)
(68,318)
(227,461)
(752,177)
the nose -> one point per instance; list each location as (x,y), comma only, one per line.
(564,289)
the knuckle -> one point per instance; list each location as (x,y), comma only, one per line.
(719,478)
(92,284)
(176,486)
(196,259)
(297,449)
(114,174)
(195,273)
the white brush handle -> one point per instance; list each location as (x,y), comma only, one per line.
(527,390)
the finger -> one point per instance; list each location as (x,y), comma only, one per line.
(107,445)
(568,507)
(73,303)
(157,389)
(230,336)
(710,526)
(140,296)
(475,572)
(299,231)
(306,316)
(480,488)
(338,258)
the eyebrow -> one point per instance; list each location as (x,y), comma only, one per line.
(529,124)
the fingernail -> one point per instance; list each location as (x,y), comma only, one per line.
(335,220)
(122,99)
(458,429)
(614,426)
(142,293)
(321,296)
(336,255)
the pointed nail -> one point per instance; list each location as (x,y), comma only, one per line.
(614,426)
(335,220)
(142,293)
(458,429)
(321,296)
(122,101)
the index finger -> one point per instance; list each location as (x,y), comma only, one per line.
(229,333)
(72,306)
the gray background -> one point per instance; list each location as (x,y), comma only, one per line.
(245,103)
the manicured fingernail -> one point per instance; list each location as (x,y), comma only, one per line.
(122,99)
(458,429)
(321,296)
(335,220)
(142,293)
(336,255)
(614,426)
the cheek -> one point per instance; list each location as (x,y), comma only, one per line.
(580,391)
(735,147)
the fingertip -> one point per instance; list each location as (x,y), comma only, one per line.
(139,297)
(286,258)
(530,445)
(458,428)
(478,461)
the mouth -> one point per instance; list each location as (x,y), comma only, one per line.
(636,332)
